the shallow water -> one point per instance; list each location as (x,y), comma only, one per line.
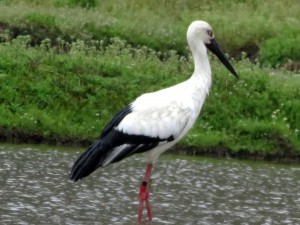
(35,189)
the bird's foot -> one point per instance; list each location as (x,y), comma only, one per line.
(144,197)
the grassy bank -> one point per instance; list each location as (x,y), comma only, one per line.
(62,84)
(50,94)
(266,30)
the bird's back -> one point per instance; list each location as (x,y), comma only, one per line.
(153,122)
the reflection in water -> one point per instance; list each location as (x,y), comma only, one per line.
(35,189)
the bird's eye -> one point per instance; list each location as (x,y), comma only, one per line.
(210,33)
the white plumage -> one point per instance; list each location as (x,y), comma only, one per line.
(165,113)
(156,121)
(174,110)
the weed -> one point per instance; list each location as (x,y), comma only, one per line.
(73,94)
(253,25)
(64,71)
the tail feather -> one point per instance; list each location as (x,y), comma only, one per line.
(88,162)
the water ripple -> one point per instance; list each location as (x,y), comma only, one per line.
(35,189)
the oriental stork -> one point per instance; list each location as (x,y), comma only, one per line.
(156,121)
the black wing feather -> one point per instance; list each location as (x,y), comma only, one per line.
(116,120)
(110,139)
(91,159)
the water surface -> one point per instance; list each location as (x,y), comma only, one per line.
(35,189)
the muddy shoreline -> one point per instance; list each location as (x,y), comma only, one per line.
(9,135)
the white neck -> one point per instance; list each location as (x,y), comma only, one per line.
(202,70)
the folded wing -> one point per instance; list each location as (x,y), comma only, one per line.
(135,129)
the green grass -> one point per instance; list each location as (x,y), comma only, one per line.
(281,48)
(260,113)
(66,68)
(247,25)
(71,95)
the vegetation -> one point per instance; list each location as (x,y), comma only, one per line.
(161,25)
(67,66)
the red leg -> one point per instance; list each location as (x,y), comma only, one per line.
(148,172)
(141,208)
(148,209)
(144,194)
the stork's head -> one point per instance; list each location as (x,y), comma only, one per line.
(201,31)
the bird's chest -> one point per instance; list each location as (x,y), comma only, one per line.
(196,98)
(192,104)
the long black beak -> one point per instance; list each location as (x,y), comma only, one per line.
(214,48)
